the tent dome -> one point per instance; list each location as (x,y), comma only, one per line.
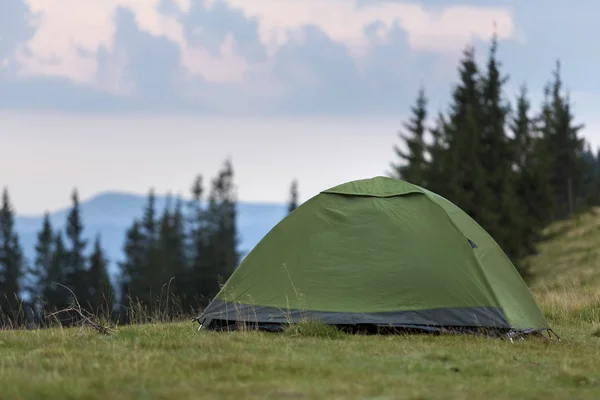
(377,252)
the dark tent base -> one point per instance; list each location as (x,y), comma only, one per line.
(220,325)
(485,321)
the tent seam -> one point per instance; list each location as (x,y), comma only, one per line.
(487,280)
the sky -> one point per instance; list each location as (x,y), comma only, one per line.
(124,95)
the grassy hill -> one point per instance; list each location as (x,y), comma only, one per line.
(569,255)
(160,361)
(567,270)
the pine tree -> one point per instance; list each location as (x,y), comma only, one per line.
(224,192)
(198,270)
(533,185)
(495,146)
(293,200)
(100,290)
(76,261)
(436,173)
(141,273)
(172,255)
(413,164)
(465,177)
(590,186)
(222,240)
(149,220)
(563,146)
(567,150)
(12,265)
(178,254)
(54,296)
(543,154)
(133,280)
(152,273)
(43,262)
(195,218)
(522,128)
(594,189)
(195,204)
(163,251)
(496,154)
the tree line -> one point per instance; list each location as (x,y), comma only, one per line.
(512,168)
(175,260)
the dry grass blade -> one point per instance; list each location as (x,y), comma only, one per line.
(86,318)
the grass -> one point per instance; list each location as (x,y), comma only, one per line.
(160,361)
(570,257)
(174,361)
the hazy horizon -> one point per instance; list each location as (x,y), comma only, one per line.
(169,151)
(133,153)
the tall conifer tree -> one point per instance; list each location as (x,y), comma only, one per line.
(496,152)
(12,264)
(222,240)
(152,270)
(172,257)
(133,279)
(101,294)
(293,200)
(543,154)
(76,271)
(178,256)
(412,166)
(54,296)
(533,182)
(567,149)
(465,174)
(197,239)
(42,265)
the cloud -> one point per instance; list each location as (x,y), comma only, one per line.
(213,25)
(17,25)
(278,56)
(139,63)
(317,70)
(439,30)
(68,26)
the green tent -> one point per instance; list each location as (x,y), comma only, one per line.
(377,252)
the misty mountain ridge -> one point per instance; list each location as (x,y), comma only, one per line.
(110,214)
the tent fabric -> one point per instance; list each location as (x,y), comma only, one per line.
(448,317)
(377,251)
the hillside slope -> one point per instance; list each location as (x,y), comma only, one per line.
(569,256)
(566,272)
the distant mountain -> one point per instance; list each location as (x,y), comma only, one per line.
(111,214)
